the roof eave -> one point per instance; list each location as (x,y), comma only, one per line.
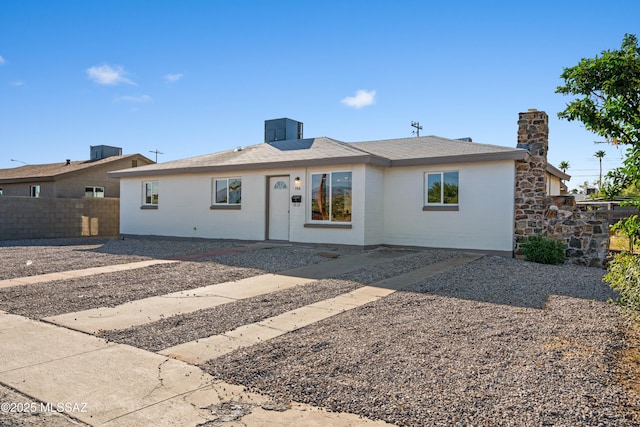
(557,172)
(464,158)
(27,179)
(331,161)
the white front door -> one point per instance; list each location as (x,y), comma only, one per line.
(278,208)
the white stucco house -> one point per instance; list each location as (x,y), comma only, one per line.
(421,191)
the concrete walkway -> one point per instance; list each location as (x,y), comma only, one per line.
(72,274)
(152,309)
(201,350)
(104,383)
(110,384)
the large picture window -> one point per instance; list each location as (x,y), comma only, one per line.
(150,193)
(227,191)
(331,197)
(441,189)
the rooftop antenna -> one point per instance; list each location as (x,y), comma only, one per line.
(418,128)
(156,152)
(20,161)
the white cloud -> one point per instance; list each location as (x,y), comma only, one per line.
(107,75)
(135,99)
(18,83)
(2,61)
(363,98)
(172,78)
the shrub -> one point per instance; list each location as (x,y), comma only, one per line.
(543,250)
(630,227)
(624,277)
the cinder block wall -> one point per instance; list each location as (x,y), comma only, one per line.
(43,218)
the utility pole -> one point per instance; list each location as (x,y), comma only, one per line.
(418,128)
(156,152)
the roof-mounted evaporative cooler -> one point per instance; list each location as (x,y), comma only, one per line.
(281,129)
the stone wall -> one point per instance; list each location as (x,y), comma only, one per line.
(585,232)
(42,218)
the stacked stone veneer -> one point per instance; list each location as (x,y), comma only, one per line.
(43,218)
(584,232)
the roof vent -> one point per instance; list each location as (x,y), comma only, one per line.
(68,162)
(281,129)
(465,139)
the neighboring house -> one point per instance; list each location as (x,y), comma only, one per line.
(556,181)
(71,179)
(422,191)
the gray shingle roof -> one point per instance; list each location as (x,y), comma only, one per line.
(434,149)
(49,171)
(327,151)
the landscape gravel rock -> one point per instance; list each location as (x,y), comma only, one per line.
(111,289)
(32,257)
(494,342)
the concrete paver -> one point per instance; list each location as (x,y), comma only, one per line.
(152,309)
(71,274)
(203,349)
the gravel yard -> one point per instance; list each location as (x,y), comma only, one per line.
(446,352)
(494,342)
(107,290)
(204,323)
(31,257)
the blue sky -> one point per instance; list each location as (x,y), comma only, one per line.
(195,77)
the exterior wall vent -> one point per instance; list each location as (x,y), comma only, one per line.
(281,129)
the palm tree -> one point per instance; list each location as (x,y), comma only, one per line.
(600,154)
(563,166)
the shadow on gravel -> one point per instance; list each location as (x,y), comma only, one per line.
(516,283)
(79,241)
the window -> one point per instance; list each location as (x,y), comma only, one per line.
(441,189)
(0,191)
(93,191)
(331,197)
(150,197)
(227,191)
(35,191)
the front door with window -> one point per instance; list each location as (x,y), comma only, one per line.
(278,208)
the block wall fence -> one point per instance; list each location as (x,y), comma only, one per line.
(585,232)
(45,218)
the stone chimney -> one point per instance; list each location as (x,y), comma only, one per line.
(531,178)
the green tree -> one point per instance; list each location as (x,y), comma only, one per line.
(608,90)
(563,166)
(600,155)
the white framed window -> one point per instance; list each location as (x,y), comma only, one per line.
(331,197)
(227,191)
(93,191)
(150,193)
(34,191)
(441,189)
(0,191)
